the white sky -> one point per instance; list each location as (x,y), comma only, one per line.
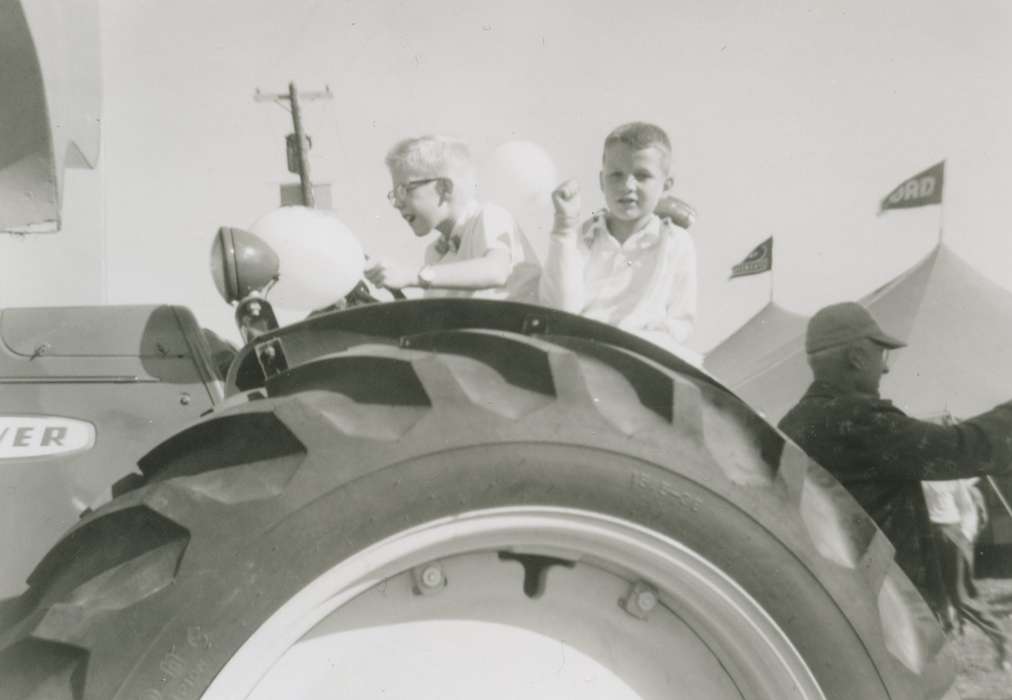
(790,119)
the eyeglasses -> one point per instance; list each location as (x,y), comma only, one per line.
(887,357)
(398,193)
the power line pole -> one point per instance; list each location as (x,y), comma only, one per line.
(297,143)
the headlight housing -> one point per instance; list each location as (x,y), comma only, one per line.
(241,264)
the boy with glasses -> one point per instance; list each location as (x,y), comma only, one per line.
(480,251)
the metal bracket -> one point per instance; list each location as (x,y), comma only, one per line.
(271,356)
(255,316)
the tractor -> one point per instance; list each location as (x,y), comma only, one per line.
(441,497)
(419,498)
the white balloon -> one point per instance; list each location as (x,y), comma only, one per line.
(523,167)
(321,260)
(520,176)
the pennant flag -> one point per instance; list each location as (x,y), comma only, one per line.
(918,191)
(759,260)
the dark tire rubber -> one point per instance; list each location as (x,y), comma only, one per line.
(149,596)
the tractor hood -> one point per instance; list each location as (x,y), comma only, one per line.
(51,106)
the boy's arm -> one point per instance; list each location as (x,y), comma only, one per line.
(491,266)
(389,274)
(490,270)
(562,284)
(489,260)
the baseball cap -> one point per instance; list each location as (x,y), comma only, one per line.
(839,324)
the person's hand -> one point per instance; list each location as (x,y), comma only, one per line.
(566,200)
(384,273)
(680,212)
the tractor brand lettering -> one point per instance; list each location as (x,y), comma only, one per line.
(25,437)
(185,675)
(197,638)
(667,491)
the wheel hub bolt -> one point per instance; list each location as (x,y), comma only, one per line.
(428,579)
(639,600)
(432,577)
(646,600)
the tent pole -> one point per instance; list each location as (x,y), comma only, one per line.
(941,222)
(999,494)
(941,215)
(771,272)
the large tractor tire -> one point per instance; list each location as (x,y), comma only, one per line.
(475,514)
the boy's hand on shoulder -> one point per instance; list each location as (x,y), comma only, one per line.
(384,273)
(567,203)
(679,211)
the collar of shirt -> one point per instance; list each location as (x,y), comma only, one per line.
(821,389)
(451,243)
(447,244)
(646,237)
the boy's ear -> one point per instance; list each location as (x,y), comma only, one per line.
(444,186)
(600,179)
(669,182)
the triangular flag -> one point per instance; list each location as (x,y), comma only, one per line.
(918,191)
(758,261)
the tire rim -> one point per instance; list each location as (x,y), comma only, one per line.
(440,611)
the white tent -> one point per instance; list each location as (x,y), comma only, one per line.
(756,345)
(958,326)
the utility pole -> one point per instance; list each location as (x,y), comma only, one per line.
(297,143)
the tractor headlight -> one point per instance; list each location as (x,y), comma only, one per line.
(241,263)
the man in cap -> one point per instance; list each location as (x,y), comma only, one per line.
(874,449)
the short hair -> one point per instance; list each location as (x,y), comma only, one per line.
(435,156)
(640,135)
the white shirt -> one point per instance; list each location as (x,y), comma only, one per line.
(950,502)
(646,285)
(941,499)
(483,228)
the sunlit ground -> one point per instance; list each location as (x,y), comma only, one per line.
(978,678)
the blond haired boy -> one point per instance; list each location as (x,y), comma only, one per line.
(480,252)
(626,265)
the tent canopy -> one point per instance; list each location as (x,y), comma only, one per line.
(958,327)
(756,345)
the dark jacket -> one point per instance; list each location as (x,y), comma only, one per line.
(881,455)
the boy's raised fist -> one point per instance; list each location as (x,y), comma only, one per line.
(566,200)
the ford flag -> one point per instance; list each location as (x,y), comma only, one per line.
(918,191)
